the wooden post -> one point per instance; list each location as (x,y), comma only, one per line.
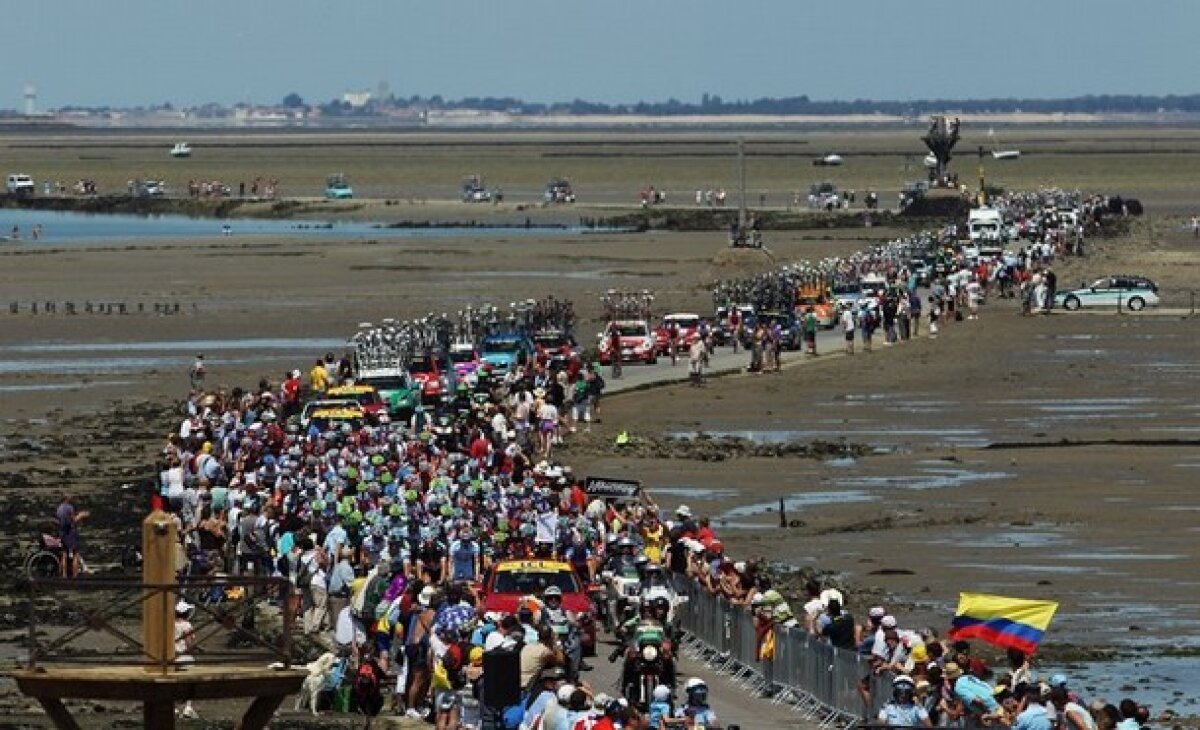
(158,607)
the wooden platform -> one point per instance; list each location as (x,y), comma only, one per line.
(158,691)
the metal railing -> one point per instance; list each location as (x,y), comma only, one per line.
(827,685)
(99,620)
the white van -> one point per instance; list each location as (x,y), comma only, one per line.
(20,184)
(985,224)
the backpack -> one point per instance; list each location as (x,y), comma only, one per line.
(513,715)
(366,680)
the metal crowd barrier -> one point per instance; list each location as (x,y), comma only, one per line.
(815,679)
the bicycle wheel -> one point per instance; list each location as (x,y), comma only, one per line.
(43,564)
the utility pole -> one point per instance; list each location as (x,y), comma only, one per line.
(741,145)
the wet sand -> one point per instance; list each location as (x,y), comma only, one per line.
(970,477)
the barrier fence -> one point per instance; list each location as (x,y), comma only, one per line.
(819,681)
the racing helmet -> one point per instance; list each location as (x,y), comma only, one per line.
(662,693)
(697,691)
(552,592)
(903,688)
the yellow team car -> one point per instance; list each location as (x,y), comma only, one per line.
(367,397)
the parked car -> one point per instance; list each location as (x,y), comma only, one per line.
(509,581)
(474,191)
(20,185)
(559,190)
(337,187)
(1129,292)
(636,342)
(148,189)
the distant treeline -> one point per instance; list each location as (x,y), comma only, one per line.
(713,104)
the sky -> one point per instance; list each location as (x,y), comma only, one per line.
(141,52)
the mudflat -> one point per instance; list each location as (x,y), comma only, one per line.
(1049,456)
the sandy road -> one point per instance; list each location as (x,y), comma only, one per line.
(723,362)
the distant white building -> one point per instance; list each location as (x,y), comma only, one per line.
(356,99)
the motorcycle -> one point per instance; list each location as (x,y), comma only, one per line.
(623,591)
(648,662)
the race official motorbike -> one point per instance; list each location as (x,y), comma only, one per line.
(648,661)
(623,591)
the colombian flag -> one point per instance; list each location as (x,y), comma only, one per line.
(1000,621)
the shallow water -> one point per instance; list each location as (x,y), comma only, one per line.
(965,436)
(928,478)
(69,228)
(74,385)
(793,503)
(71,358)
(192,346)
(1160,682)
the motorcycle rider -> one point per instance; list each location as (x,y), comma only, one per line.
(696,708)
(647,647)
(621,568)
(566,624)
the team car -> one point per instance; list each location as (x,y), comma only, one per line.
(395,386)
(369,399)
(1129,292)
(508,582)
(559,346)
(330,415)
(426,370)
(464,358)
(506,351)
(636,342)
(689,329)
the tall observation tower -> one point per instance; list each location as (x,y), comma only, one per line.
(30,100)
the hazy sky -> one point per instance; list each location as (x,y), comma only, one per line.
(127,52)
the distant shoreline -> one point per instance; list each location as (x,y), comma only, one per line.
(452,121)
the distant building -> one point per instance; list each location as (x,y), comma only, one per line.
(357,99)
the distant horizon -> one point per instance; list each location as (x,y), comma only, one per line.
(1009,103)
(714,104)
(146,52)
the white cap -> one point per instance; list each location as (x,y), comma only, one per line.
(182,606)
(888,622)
(564,693)
(831,594)
(684,511)
(426,596)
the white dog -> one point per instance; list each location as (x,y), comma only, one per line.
(319,673)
